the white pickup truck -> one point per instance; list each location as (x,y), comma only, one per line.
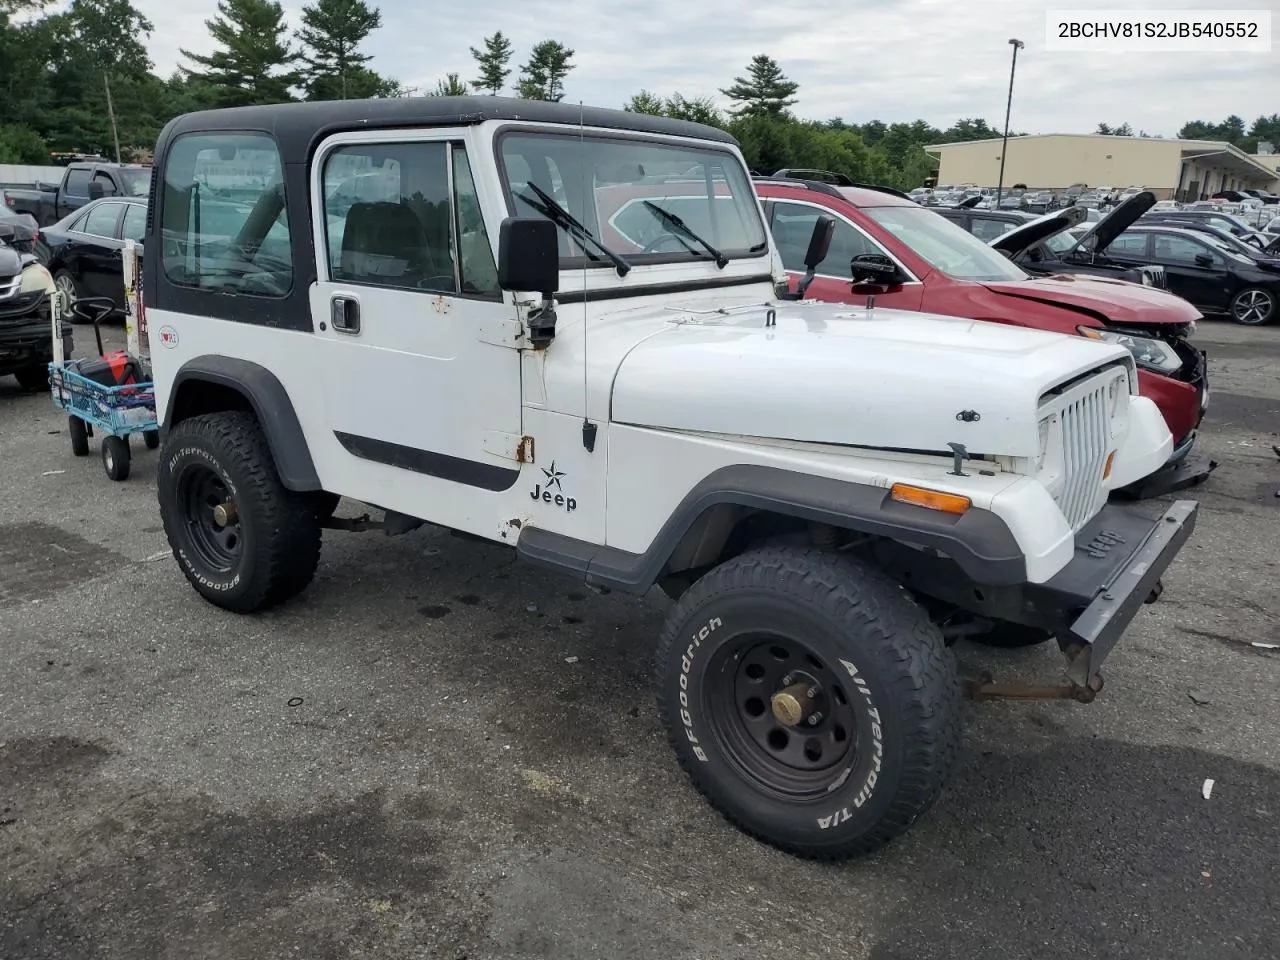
(565,330)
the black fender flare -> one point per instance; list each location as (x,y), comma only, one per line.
(270,402)
(980,543)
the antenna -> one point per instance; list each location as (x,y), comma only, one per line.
(588,428)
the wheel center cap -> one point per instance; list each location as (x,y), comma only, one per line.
(792,705)
(224,514)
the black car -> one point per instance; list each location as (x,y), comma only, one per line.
(1215,277)
(1042,244)
(1259,240)
(26,341)
(84,251)
(18,231)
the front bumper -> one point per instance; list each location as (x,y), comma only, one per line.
(1120,556)
(28,344)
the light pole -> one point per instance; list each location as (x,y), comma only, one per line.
(1004,147)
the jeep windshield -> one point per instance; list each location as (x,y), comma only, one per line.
(944,245)
(640,201)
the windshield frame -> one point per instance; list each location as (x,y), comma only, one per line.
(1009,271)
(748,202)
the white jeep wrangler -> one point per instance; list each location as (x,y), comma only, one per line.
(564,330)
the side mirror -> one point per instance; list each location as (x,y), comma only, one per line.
(824,229)
(872,268)
(1204,260)
(529,260)
(97,189)
(529,255)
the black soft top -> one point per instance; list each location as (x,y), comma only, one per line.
(297,127)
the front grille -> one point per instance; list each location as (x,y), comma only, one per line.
(20,306)
(1084,412)
(9,286)
(1153,275)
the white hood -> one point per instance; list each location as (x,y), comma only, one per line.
(826,373)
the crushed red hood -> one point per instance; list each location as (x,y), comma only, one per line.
(1102,299)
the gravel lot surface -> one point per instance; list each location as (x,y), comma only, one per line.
(405,763)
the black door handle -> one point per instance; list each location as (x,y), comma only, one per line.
(344,314)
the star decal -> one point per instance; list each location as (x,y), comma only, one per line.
(553,476)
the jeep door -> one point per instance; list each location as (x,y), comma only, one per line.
(417,383)
(791,223)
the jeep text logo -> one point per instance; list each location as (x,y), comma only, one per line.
(551,491)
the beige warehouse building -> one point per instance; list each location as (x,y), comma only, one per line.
(1171,169)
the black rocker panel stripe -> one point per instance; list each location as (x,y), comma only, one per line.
(458,469)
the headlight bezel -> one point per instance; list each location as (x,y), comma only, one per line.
(1149,353)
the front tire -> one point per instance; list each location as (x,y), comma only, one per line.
(1253,307)
(781,629)
(242,539)
(32,379)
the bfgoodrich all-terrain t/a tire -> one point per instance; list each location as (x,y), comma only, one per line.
(242,539)
(810,699)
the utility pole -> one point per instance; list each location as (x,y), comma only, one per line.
(1004,147)
(111,112)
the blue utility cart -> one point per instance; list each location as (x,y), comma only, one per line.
(110,393)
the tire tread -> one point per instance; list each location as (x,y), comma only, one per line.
(916,665)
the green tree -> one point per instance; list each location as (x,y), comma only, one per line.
(20,144)
(254,62)
(764,91)
(491,63)
(331,34)
(698,110)
(451,86)
(646,102)
(543,76)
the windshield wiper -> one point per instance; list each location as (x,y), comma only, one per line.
(563,219)
(673,221)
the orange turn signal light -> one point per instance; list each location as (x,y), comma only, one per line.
(930,499)
(1106,471)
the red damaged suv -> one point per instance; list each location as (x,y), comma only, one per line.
(909,258)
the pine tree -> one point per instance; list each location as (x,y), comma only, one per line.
(492,63)
(765,91)
(542,78)
(331,34)
(451,86)
(253,64)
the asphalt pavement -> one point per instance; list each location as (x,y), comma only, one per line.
(436,752)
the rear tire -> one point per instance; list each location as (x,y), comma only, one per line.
(116,457)
(32,379)
(151,438)
(847,778)
(79,436)
(264,546)
(66,284)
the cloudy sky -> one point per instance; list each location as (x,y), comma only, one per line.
(890,60)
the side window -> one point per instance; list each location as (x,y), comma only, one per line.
(389,216)
(224,223)
(135,222)
(792,229)
(985,229)
(476,269)
(108,185)
(77,184)
(1129,245)
(1175,249)
(101,220)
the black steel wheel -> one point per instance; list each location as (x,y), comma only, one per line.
(782,715)
(810,699)
(116,457)
(242,539)
(211,517)
(79,436)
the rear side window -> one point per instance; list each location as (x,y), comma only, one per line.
(224,223)
(101,221)
(135,222)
